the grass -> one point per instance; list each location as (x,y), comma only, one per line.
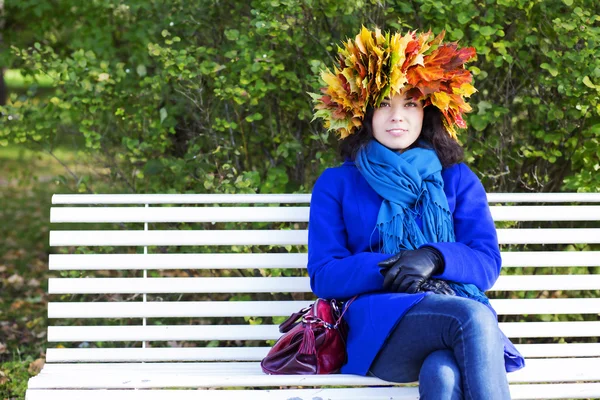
(15,80)
(21,163)
(26,187)
(13,379)
(28,179)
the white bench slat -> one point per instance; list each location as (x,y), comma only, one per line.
(179,238)
(285,214)
(550,258)
(546,306)
(284,237)
(162,375)
(271,332)
(547,282)
(179,214)
(548,235)
(158,309)
(162,309)
(543,197)
(291,198)
(179,261)
(550,329)
(57,355)
(536,350)
(517,392)
(177,285)
(161,333)
(181,198)
(183,375)
(545,213)
(280,260)
(359,393)
(282,284)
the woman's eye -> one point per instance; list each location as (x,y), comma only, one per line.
(411,104)
(382,104)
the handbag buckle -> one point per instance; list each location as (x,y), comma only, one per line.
(311,320)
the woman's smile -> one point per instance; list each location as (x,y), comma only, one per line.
(396,131)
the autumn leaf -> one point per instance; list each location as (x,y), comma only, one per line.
(464,90)
(16,281)
(441,100)
(36,366)
(3,378)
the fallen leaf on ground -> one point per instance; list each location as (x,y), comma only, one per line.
(17,304)
(36,366)
(33,282)
(3,378)
(16,281)
(14,254)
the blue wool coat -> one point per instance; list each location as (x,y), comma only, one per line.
(343,252)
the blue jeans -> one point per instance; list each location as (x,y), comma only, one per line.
(451,345)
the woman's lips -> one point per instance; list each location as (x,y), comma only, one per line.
(396,131)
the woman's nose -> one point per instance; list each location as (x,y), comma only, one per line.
(397,116)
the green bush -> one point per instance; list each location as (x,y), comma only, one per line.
(212,97)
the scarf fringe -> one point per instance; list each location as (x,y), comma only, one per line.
(403,233)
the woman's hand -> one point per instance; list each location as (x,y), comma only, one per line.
(437,286)
(410,269)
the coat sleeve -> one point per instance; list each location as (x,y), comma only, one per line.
(475,256)
(336,273)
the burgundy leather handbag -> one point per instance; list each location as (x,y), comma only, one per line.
(314,341)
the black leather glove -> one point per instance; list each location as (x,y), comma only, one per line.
(389,263)
(437,286)
(411,269)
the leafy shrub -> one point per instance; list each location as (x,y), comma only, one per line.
(204,97)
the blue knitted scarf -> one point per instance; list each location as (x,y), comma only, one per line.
(411,185)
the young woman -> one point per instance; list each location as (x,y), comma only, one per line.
(405,226)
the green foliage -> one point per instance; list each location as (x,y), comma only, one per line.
(13,379)
(212,97)
(15,80)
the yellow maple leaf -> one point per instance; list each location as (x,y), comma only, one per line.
(466,89)
(441,100)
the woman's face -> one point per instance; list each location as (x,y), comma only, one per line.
(397,122)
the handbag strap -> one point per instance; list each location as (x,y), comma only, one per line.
(346,306)
(292,320)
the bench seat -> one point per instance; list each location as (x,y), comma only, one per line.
(123,340)
(567,371)
(574,391)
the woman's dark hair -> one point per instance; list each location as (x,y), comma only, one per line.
(433,135)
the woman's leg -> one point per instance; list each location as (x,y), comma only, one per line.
(440,377)
(439,322)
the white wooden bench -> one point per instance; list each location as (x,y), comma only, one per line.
(83,326)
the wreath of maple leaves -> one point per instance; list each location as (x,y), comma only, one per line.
(374,66)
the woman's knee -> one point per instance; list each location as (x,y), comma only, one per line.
(472,315)
(440,377)
(472,319)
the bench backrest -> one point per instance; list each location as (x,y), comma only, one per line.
(194,277)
